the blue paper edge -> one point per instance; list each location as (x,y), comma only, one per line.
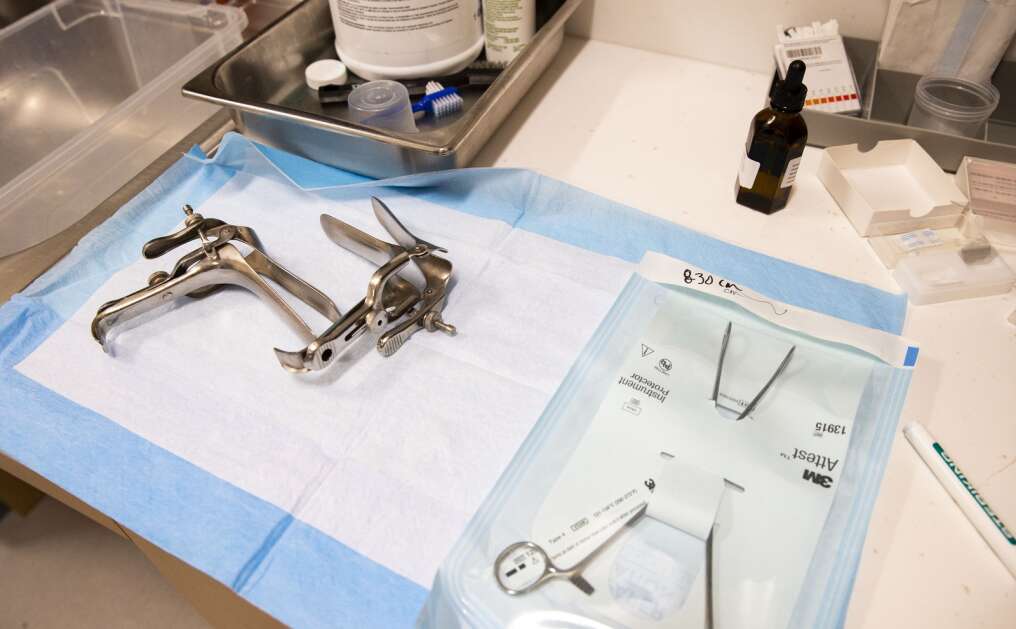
(581,219)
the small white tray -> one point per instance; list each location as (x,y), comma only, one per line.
(895,187)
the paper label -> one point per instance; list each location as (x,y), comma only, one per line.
(920,239)
(992,189)
(791,174)
(686,498)
(748,171)
(804,52)
(892,349)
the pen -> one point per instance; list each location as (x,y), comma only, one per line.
(963,493)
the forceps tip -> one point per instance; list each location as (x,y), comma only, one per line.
(776,374)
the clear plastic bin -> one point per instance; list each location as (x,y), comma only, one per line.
(89,96)
(953,105)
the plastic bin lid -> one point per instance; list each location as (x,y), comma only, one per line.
(80,119)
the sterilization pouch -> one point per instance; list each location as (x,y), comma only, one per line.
(653,414)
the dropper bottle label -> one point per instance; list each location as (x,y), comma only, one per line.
(791,175)
(749,171)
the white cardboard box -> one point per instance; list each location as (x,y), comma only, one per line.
(895,187)
(830,79)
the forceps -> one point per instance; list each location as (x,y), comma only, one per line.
(765,388)
(525,566)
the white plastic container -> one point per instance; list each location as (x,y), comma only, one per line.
(508,25)
(947,276)
(89,96)
(406,39)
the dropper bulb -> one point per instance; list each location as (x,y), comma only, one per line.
(795,75)
(789,94)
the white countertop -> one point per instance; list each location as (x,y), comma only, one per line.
(664,134)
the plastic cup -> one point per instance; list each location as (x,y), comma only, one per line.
(382,104)
(953,105)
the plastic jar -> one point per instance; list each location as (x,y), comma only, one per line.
(406,39)
(953,105)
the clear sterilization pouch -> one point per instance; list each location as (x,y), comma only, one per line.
(711,460)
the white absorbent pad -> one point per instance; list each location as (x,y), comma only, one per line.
(381,454)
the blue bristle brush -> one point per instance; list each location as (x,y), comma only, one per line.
(439,104)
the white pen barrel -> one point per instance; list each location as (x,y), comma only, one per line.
(974,507)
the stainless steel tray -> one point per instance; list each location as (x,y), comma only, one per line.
(888,97)
(262,83)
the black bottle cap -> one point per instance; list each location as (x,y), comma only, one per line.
(788,94)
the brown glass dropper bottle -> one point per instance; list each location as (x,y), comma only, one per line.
(775,143)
